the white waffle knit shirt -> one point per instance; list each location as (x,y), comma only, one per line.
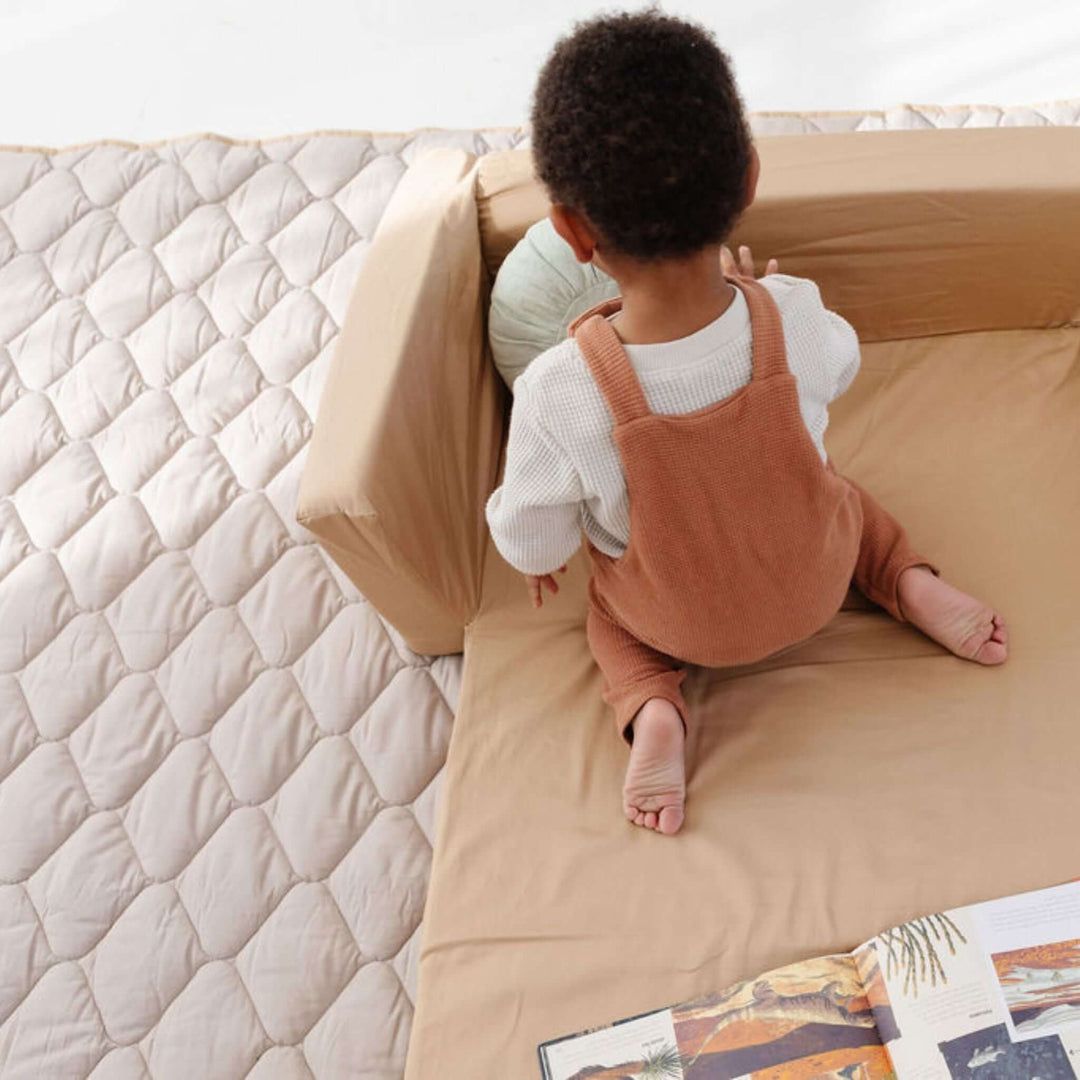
(563,470)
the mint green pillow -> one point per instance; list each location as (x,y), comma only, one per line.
(539,290)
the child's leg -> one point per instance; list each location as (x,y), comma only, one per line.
(633,672)
(884,554)
(891,573)
(643,687)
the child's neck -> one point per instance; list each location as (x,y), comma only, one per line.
(671,299)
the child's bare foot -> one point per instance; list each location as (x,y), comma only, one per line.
(964,625)
(655,787)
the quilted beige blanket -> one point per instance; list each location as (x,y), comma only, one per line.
(217,763)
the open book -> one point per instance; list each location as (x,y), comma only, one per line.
(986,992)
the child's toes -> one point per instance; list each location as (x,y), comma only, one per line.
(650,820)
(671,817)
(993,652)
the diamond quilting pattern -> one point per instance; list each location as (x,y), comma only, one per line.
(108,552)
(188,492)
(28,290)
(86,652)
(177,810)
(316,812)
(9,383)
(296,970)
(391,897)
(17,731)
(217,387)
(36,603)
(22,939)
(239,548)
(186,666)
(152,207)
(215,999)
(290,336)
(14,543)
(389,747)
(198,694)
(94,871)
(246,286)
(42,803)
(336,689)
(129,290)
(132,990)
(263,737)
(218,766)
(96,391)
(48,347)
(127,456)
(60,1000)
(62,494)
(337,1041)
(237,876)
(265,435)
(125,739)
(156,611)
(36,220)
(30,434)
(172,339)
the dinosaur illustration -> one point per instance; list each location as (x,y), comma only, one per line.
(824,1006)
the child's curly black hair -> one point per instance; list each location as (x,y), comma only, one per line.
(637,123)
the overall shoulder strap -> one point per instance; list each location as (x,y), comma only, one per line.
(608,362)
(770,353)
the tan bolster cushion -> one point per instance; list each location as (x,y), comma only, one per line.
(886,224)
(407,441)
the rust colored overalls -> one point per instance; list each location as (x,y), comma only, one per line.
(742,541)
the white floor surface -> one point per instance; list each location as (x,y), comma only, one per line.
(73,71)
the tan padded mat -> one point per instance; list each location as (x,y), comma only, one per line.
(862,778)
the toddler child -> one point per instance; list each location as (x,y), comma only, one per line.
(680,423)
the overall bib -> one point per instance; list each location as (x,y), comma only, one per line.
(742,541)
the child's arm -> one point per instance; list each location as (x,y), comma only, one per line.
(535,515)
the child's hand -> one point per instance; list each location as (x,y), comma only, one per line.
(745,265)
(536,581)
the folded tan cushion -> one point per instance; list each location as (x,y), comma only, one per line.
(407,440)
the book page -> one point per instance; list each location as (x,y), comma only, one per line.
(1031,947)
(987,992)
(926,982)
(650,1037)
(810,1019)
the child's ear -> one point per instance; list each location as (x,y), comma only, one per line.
(573,229)
(753,170)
